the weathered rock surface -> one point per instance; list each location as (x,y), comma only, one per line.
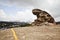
(43,18)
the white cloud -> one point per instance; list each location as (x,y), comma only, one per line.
(51,6)
(2,14)
(57,19)
(25,16)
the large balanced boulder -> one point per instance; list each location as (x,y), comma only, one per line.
(43,18)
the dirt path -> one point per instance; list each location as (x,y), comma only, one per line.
(32,33)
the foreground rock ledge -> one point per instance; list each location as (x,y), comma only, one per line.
(32,33)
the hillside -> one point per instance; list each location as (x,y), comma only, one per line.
(32,33)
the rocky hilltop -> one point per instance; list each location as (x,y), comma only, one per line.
(43,18)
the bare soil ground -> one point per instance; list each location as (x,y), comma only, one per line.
(32,33)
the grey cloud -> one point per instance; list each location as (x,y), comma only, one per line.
(53,9)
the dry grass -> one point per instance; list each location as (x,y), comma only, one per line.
(32,33)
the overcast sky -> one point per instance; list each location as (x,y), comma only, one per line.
(21,10)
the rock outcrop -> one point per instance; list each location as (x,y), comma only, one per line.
(43,18)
